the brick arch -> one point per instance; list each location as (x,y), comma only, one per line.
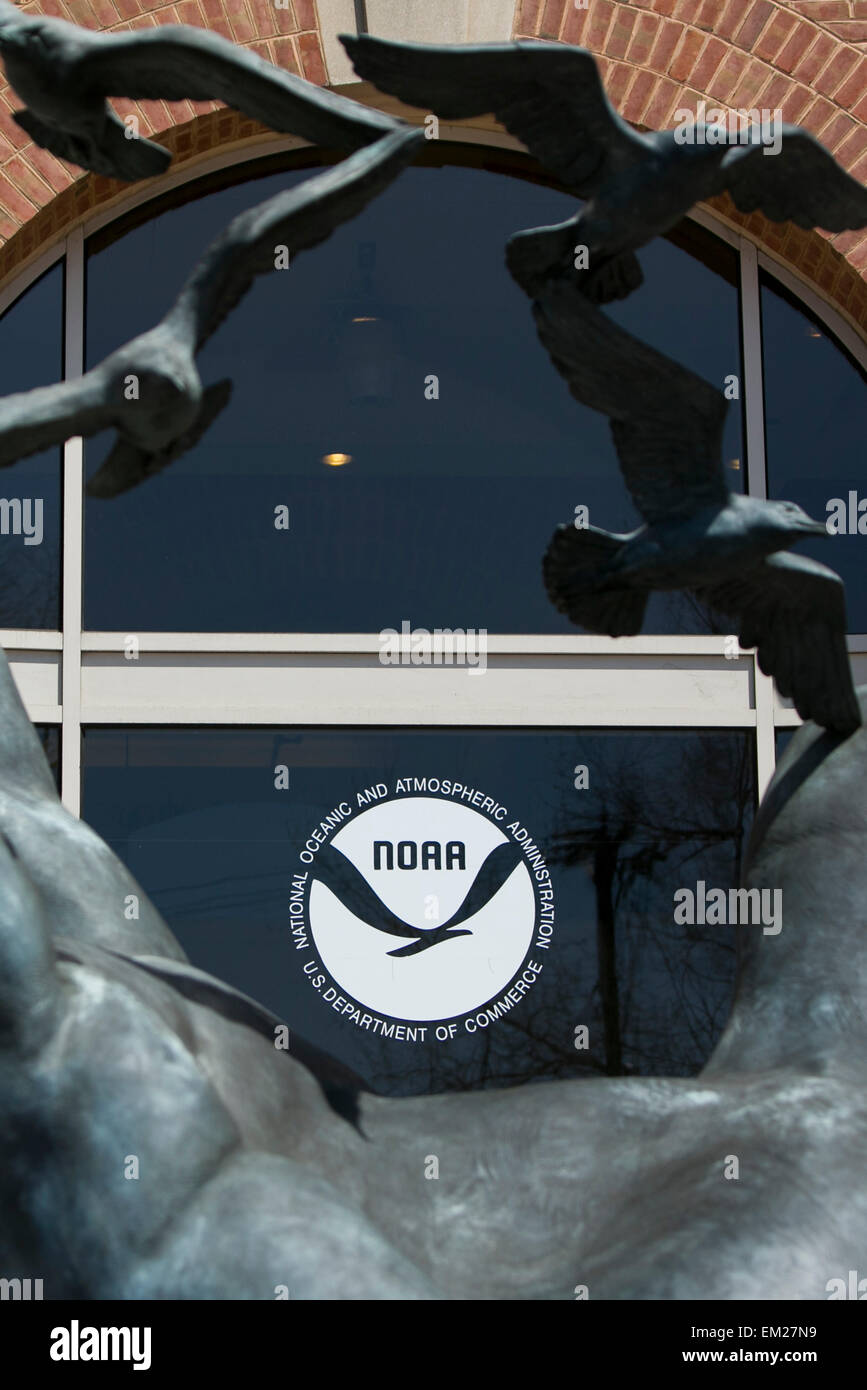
(41,197)
(805,57)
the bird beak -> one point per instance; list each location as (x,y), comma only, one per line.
(814,528)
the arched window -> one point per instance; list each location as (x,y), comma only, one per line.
(403,349)
(221,691)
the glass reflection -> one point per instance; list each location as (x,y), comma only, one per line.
(402,346)
(49,737)
(31,354)
(198,819)
(815,424)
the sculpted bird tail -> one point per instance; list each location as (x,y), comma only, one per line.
(535,256)
(112,154)
(548,253)
(575,572)
(127,159)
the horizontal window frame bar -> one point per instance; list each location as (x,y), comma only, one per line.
(315,643)
(27,639)
(635,718)
(506,644)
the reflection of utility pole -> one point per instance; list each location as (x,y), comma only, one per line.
(604,870)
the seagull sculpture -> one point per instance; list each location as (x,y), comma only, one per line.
(728,549)
(635,186)
(64,75)
(149,390)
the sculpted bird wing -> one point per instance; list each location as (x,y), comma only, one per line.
(298,218)
(667,422)
(549,95)
(802,183)
(793,610)
(176,62)
(31,421)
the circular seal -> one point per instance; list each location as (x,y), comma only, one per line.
(423,908)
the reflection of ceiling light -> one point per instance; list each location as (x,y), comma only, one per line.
(813,332)
(734,463)
(336,460)
(366,318)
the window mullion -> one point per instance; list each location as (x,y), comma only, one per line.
(73,480)
(751,342)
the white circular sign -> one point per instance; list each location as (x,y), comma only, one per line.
(421,908)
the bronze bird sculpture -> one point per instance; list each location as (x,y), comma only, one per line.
(65,73)
(635,185)
(730,550)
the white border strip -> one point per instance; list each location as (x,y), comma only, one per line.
(766,751)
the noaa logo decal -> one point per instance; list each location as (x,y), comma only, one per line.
(414,909)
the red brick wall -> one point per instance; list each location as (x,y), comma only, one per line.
(806,57)
(847,19)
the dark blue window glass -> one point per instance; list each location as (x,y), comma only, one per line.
(815,425)
(419,901)
(451,487)
(31,354)
(49,737)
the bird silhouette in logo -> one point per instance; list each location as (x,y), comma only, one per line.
(355,893)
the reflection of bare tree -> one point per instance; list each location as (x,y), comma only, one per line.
(637,830)
(535,1045)
(702,618)
(29,586)
(657,995)
(681,611)
(601,850)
